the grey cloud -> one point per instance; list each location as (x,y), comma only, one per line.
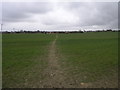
(0,13)
(18,11)
(97,13)
(89,14)
(119,15)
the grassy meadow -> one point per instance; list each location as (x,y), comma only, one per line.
(90,58)
(23,56)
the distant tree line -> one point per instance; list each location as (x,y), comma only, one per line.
(50,32)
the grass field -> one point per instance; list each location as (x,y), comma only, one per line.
(91,57)
(23,56)
(86,59)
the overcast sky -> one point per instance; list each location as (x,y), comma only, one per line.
(59,15)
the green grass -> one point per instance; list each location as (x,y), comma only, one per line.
(0,60)
(90,56)
(24,58)
(86,57)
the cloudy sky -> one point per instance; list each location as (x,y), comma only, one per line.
(59,15)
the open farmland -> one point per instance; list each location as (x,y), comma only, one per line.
(78,60)
(24,58)
(90,58)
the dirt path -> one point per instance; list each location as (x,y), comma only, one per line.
(54,76)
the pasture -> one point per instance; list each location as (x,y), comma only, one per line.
(79,60)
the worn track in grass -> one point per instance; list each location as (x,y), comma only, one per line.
(54,76)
